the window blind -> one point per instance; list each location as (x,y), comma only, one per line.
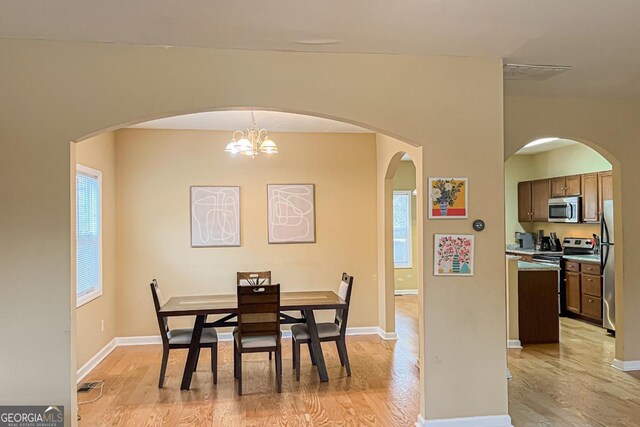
(88,257)
(402,228)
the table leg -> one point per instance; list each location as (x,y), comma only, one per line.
(315,344)
(193,353)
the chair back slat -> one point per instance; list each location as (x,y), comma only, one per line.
(158,302)
(258,310)
(253,278)
(344,292)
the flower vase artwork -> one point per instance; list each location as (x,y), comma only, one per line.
(453,255)
(448,197)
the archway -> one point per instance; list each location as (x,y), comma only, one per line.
(160,164)
(566,170)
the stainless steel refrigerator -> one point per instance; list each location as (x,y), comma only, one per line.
(607,263)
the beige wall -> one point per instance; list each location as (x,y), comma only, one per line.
(572,160)
(99,153)
(156,169)
(450,106)
(405,179)
(611,127)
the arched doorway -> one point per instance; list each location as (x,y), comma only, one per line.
(175,155)
(548,172)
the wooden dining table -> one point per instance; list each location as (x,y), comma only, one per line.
(202,306)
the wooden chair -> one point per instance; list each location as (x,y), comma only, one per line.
(254,278)
(258,327)
(328,331)
(181,338)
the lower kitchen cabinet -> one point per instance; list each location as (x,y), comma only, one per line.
(574,296)
(584,291)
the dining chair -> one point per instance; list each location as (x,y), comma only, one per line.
(258,327)
(253,278)
(181,338)
(327,331)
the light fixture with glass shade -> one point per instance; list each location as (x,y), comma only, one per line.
(251,141)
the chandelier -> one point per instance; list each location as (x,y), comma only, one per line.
(251,141)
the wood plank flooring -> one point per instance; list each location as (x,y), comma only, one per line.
(566,384)
(382,391)
(572,383)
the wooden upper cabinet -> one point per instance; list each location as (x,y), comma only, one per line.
(573,185)
(540,194)
(558,187)
(524,201)
(605,187)
(590,200)
(565,186)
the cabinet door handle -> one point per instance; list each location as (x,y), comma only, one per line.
(590,300)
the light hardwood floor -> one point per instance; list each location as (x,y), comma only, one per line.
(383,389)
(572,383)
(567,384)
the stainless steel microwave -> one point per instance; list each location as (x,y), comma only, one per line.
(565,209)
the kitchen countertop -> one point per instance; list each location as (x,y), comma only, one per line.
(532,252)
(583,258)
(532,266)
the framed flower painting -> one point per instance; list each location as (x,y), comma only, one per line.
(453,255)
(448,198)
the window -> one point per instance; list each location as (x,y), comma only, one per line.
(88,235)
(402,229)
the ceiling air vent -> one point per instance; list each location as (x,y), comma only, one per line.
(532,72)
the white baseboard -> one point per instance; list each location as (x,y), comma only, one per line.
(224,336)
(406,292)
(99,357)
(486,421)
(141,340)
(626,365)
(387,336)
(514,344)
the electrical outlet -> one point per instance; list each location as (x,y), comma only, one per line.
(102,325)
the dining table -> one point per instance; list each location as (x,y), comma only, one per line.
(202,306)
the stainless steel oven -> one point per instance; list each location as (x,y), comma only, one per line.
(565,209)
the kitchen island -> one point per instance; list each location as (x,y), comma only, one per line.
(538,319)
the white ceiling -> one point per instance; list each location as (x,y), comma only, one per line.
(547,146)
(273,121)
(599,38)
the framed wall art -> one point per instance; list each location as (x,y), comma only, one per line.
(291,213)
(448,198)
(453,255)
(215,216)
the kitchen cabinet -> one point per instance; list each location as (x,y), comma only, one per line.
(590,202)
(595,188)
(565,186)
(583,287)
(524,201)
(605,188)
(538,320)
(574,295)
(540,194)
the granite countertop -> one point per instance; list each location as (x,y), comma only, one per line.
(532,266)
(583,258)
(532,252)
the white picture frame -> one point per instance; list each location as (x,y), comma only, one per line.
(291,216)
(453,255)
(443,209)
(215,216)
